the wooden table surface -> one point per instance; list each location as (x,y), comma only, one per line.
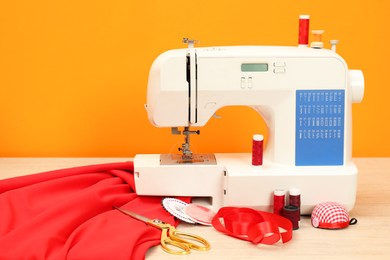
(368,239)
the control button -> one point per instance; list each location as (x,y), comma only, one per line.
(242,82)
(279,64)
(250,82)
(279,70)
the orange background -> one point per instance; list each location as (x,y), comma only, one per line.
(73,74)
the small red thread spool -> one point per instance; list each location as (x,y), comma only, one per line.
(303,37)
(279,201)
(257,150)
(292,213)
(294,198)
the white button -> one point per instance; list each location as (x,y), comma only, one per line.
(242,82)
(279,64)
(279,70)
(250,82)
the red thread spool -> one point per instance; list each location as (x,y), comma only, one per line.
(279,201)
(292,213)
(294,199)
(257,150)
(303,37)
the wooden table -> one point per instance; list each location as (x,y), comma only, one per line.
(368,239)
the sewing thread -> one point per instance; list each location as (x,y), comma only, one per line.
(294,198)
(257,150)
(279,201)
(292,213)
(303,37)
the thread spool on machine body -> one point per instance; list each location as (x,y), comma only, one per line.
(317,39)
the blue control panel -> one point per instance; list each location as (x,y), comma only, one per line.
(319,134)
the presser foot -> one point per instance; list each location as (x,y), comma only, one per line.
(172,159)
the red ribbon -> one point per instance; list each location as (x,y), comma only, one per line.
(252,225)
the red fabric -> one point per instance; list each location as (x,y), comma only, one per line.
(67,214)
(252,225)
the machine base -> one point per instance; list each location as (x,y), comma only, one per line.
(233,181)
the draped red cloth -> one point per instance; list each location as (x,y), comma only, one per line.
(67,214)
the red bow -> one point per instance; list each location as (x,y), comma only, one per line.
(252,225)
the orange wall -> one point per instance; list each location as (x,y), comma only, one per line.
(73,74)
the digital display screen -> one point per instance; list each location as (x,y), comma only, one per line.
(254,67)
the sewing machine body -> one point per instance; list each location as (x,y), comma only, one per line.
(235,182)
(305,96)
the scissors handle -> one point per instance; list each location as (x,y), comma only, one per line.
(172,246)
(171,238)
(172,241)
(192,241)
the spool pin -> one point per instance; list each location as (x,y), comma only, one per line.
(333,43)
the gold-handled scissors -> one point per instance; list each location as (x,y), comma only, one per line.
(172,240)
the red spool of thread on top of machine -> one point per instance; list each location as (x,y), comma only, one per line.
(303,36)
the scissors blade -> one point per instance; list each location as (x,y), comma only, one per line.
(133,214)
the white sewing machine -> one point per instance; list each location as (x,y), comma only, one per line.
(305,96)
